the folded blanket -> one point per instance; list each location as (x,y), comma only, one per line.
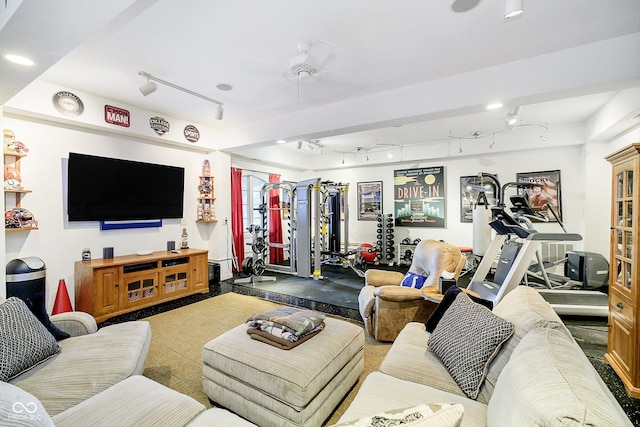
(287,321)
(280,343)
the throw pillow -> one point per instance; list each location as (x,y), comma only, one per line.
(466,339)
(449,296)
(19,408)
(24,341)
(37,306)
(413,280)
(425,415)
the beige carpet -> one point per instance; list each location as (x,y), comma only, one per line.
(175,356)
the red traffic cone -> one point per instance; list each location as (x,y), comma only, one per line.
(62,303)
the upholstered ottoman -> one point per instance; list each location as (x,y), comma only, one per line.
(274,387)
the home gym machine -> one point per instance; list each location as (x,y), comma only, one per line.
(517,243)
(316,230)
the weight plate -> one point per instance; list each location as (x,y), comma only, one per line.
(258,246)
(258,267)
(247,264)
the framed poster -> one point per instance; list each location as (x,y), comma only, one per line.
(543,189)
(470,187)
(369,200)
(420,197)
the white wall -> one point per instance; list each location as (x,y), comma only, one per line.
(59,243)
(570,160)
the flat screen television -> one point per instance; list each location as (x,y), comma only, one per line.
(106,189)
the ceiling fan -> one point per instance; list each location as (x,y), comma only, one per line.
(304,66)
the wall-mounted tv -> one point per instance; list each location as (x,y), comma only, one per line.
(106,189)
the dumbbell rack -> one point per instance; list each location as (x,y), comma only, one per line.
(385,245)
(405,253)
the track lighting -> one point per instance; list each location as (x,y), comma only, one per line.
(151,87)
(513,8)
(148,88)
(512,118)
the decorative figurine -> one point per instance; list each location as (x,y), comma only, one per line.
(206,168)
(185,237)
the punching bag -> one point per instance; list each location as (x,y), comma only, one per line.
(481,228)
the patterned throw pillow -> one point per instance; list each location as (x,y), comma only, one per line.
(466,339)
(24,341)
(448,298)
(424,415)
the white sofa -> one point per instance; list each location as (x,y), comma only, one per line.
(92,378)
(539,376)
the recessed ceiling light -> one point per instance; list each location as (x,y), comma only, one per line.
(464,5)
(224,86)
(281,141)
(18,59)
(494,106)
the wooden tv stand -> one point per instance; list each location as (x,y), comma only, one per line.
(106,288)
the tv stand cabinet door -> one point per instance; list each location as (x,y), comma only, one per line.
(107,300)
(199,276)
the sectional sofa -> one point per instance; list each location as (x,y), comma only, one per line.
(92,378)
(537,375)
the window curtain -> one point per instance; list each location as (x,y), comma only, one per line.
(276,255)
(237,222)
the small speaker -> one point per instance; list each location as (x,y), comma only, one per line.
(171,245)
(107,253)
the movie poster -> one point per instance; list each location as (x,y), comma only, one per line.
(420,197)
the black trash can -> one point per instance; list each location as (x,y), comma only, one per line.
(214,278)
(26,277)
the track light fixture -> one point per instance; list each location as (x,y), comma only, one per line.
(512,118)
(513,8)
(150,87)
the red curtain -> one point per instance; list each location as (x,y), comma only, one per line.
(237,223)
(276,255)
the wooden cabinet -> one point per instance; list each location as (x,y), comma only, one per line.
(106,288)
(623,350)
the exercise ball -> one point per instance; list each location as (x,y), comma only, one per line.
(367,252)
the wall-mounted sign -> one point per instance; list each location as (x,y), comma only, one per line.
(191,133)
(116,116)
(68,104)
(420,197)
(159,125)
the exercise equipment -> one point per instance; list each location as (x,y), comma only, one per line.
(566,296)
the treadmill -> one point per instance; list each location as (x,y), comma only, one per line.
(567,296)
(586,274)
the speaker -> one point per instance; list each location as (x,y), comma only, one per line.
(214,277)
(107,253)
(590,268)
(171,245)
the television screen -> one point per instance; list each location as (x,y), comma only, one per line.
(106,189)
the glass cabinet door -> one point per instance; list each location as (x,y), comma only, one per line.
(622,227)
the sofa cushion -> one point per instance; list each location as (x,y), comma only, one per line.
(549,381)
(466,339)
(24,341)
(136,401)
(527,310)
(380,393)
(88,364)
(410,359)
(423,415)
(19,408)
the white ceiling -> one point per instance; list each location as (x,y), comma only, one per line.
(380,50)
